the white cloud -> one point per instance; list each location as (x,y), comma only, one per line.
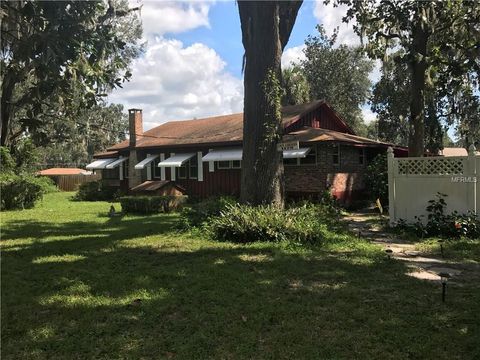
(331,18)
(368,115)
(173,82)
(161,17)
(292,55)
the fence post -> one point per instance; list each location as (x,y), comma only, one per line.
(472,186)
(391,185)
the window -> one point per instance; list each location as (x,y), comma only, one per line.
(229,164)
(236,164)
(125,169)
(291,161)
(182,171)
(157,171)
(336,155)
(223,164)
(193,166)
(311,158)
(110,174)
(361,156)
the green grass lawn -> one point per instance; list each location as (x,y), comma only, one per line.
(79,285)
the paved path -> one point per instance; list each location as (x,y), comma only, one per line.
(369,225)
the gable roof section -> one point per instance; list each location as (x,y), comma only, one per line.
(225,129)
(308,134)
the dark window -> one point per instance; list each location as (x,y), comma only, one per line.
(361,156)
(290,162)
(336,155)
(110,174)
(182,172)
(224,164)
(311,158)
(192,164)
(157,171)
(236,164)
(125,169)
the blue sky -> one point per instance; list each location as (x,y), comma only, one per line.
(192,64)
(224,34)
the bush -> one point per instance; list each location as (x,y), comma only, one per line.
(97,191)
(244,223)
(151,204)
(198,213)
(22,191)
(376,179)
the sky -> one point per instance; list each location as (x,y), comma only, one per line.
(191,67)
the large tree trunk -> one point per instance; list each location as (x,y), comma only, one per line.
(266,27)
(6,111)
(418,68)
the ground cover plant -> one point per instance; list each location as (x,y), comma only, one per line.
(77,284)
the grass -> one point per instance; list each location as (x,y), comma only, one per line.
(79,285)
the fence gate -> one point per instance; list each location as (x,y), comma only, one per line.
(412,182)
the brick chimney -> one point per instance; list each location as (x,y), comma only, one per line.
(135,123)
(136,130)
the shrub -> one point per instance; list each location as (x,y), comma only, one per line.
(200,212)
(244,223)
(151,204)
(22,191)
(376,179)
(97,191)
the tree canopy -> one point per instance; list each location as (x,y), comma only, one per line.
(57,57)
(433,36)
(338,74)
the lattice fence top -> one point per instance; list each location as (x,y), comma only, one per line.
(443,166)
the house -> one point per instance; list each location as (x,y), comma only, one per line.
(203,156)
(455,151)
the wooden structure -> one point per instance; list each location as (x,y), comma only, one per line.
(203,156)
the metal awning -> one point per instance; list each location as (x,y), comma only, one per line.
(223,155)
(116,163)
(176,160)
(236,154)
(141,165)
(100,164)
(293,154)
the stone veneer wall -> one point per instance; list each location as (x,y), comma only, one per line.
(345,180)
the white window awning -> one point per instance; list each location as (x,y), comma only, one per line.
(223,155)
(141,165)
(176,160)
(100,164)
(116,163)
(236,154)
(293,154)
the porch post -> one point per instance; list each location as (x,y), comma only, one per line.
(200,166)
(172,170)
(162,169)
(149,170)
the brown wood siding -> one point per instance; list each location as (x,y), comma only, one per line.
(219,182)
(321,118)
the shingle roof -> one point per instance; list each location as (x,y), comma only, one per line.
(218,129)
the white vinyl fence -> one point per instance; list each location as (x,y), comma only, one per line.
(413,181)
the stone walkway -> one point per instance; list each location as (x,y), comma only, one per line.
(369,225)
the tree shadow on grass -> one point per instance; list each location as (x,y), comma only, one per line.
(90,294)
